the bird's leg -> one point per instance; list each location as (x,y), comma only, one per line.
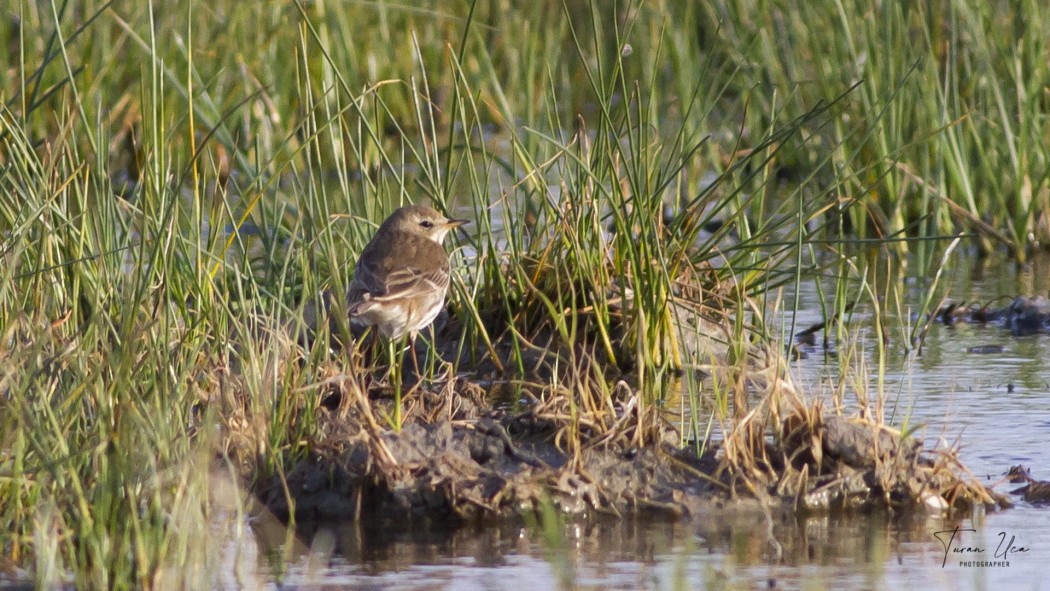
(393,348)
(415,358)
(369,356)
(368,348)
(434,358)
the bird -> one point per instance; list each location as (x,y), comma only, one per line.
(402,275)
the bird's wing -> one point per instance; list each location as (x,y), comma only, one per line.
(375,280)
(411,281)
(369,278)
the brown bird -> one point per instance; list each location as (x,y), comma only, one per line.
(402,275)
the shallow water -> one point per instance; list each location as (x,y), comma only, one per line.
(995,404)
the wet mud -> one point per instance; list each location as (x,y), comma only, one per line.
(458,459)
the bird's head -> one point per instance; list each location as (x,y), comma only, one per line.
(422,220)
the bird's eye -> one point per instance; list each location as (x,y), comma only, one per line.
(426,224)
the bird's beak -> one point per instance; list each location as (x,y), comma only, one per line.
(456,223)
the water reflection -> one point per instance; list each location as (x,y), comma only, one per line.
(741,551)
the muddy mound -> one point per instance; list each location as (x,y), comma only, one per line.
(458,458)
